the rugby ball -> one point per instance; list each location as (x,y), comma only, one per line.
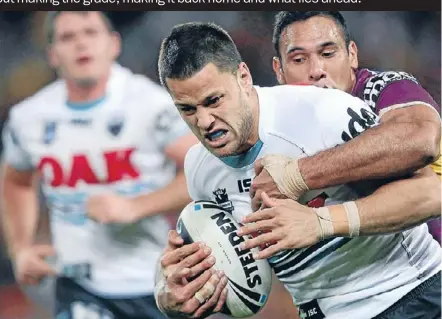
(249,280)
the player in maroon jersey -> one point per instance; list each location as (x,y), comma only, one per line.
(315,48)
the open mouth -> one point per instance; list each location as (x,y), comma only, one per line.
(216,138)
(83,60)
(215,135)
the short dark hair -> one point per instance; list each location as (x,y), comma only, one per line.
(53,15)
(285,18)
(191,46)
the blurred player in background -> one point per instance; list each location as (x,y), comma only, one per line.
(315,48)
(345,262)
(105,144)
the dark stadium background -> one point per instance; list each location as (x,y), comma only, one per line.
(408,41)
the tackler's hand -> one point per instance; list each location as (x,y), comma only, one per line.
(279,176)
(263,182)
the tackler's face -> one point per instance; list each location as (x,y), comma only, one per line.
(314,52)
(215,105)
(83,48)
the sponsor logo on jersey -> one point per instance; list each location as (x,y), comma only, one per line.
(244,185)
(358,123)
(379,81)
(118,164)
(81,121)
(222,199)
(311,310)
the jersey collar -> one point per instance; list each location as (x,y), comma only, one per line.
(82,106)
(245,159)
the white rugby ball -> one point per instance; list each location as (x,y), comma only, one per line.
(250,280)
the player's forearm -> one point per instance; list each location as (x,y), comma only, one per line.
(390,149)
(399,205)
(170,199)
(19,214)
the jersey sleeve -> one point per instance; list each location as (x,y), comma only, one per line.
(169,126)
(325,118)
(191,163)
(389,90)
(13,152)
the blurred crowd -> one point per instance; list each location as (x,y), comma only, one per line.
(408,41)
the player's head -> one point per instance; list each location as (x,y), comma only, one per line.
(212,88)
(314,47)
(82,45)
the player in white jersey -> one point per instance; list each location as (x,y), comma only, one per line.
(106,144)
(341,275)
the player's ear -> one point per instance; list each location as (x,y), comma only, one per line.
(244,76)
(353,55)
(277,68)
(116,44)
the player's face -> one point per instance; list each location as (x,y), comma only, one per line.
(83,47)
(314,52)
(216,106)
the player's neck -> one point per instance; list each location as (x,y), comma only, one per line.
(353,77)
(81,94)
(254,134)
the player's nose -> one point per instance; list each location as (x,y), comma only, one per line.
(316,71)
(205,120)
(81,43)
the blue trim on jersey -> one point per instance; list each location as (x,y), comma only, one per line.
(82,106)
(242,160)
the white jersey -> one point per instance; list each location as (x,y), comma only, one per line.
(336,278)
(113,146)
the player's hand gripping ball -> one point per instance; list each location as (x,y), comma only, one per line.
(249,280)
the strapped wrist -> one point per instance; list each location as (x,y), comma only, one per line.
(286,174)
(338,220)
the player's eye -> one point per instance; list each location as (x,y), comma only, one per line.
(91,31)
(187,110)
(65,37)
(328,54)
(298,59)
(213,101)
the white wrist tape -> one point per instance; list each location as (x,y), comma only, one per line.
(354,221)
(325,223)
(286,174)
(342,219)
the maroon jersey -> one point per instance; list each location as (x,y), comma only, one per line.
(382,90)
